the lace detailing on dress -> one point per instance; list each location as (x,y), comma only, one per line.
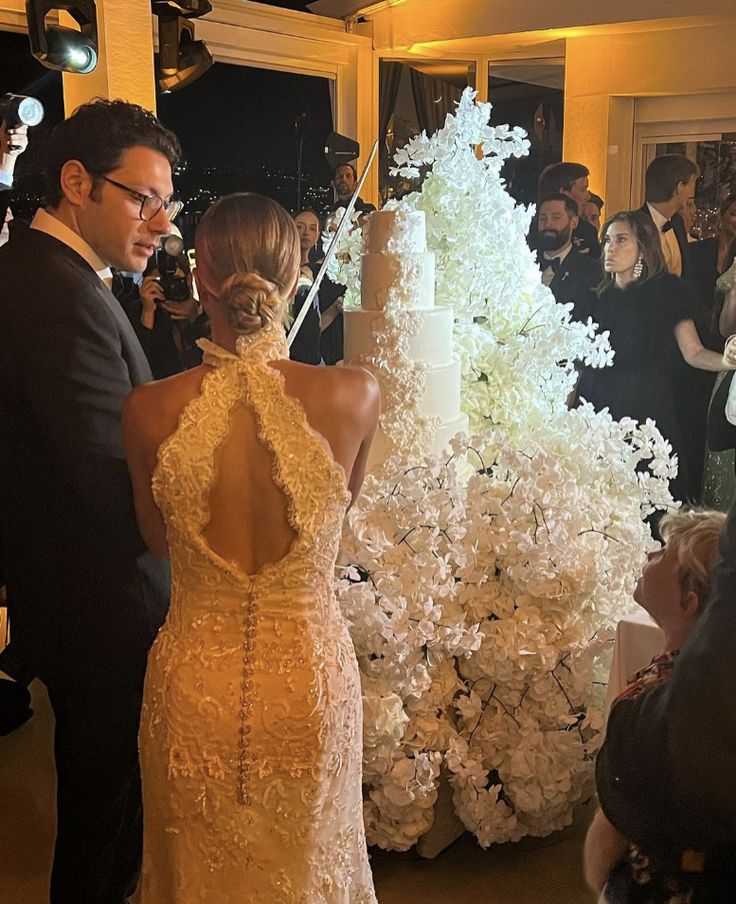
(268,344)
(251,740)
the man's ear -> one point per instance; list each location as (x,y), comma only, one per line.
(574,222)
(76,183)
(690,603)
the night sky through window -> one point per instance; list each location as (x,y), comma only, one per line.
(237,126)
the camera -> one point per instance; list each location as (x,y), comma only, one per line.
(19,110)
(168,257)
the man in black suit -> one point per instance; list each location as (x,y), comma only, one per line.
(569,274)
(86,597)
(569,179)
(669,185)
(665,774)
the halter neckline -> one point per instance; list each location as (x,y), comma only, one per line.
(267,344)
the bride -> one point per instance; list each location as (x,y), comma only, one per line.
(243,468)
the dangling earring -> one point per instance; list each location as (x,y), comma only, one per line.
(638,267)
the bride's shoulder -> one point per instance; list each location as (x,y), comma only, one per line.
(151,407)
(345,389)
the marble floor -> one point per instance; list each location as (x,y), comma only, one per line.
(546,872)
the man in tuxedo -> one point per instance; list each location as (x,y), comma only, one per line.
(570,179)
(669,184)
(344,180)
(592,211)
(86,597)
(569,274)
(665,773)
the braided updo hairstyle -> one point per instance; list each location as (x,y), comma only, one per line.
(248,255)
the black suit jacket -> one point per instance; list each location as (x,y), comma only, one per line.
(577,276)
(678,226)
(86,597)
(665,774)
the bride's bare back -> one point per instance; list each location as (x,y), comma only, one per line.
(249,522)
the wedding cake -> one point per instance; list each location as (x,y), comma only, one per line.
(397,278)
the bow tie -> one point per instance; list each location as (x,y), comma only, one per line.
(546,262)
(667,226)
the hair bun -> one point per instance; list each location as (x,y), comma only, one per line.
(251,301)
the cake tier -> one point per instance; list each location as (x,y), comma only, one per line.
(445,432)
(431,343)
(442,392)
(440,444)
(395,231)
(441,396)
(411,274)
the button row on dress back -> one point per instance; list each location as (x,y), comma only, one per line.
(246,697)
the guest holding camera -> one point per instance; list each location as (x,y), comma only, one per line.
(13,141)
(166,317)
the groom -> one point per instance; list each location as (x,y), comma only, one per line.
(86,597)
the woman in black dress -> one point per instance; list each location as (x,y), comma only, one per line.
(648,313)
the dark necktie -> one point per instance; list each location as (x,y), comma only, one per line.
(553,262)
(667,226)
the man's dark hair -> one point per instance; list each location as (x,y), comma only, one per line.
(570,206)
(97,134)
(559,177)
(340,166)
(665,173)
(597,200)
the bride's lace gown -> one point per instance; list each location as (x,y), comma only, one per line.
(250,735)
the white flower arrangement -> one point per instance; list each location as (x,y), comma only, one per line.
(481,607)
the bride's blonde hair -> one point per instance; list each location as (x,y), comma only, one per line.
(248,256)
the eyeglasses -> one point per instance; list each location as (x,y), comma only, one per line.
(150,204)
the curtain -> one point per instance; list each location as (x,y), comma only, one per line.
(331,82)
(389,81)
(433,100)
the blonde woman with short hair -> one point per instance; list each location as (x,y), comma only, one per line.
(674,589)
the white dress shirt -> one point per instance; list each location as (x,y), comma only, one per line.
(43,221)
(668,240)
(548,274)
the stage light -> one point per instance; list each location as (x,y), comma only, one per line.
(83,59)
(340,149)
(58,47)
(180,59)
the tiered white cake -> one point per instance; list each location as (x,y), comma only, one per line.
(396,265)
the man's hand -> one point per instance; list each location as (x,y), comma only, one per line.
(12,144)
